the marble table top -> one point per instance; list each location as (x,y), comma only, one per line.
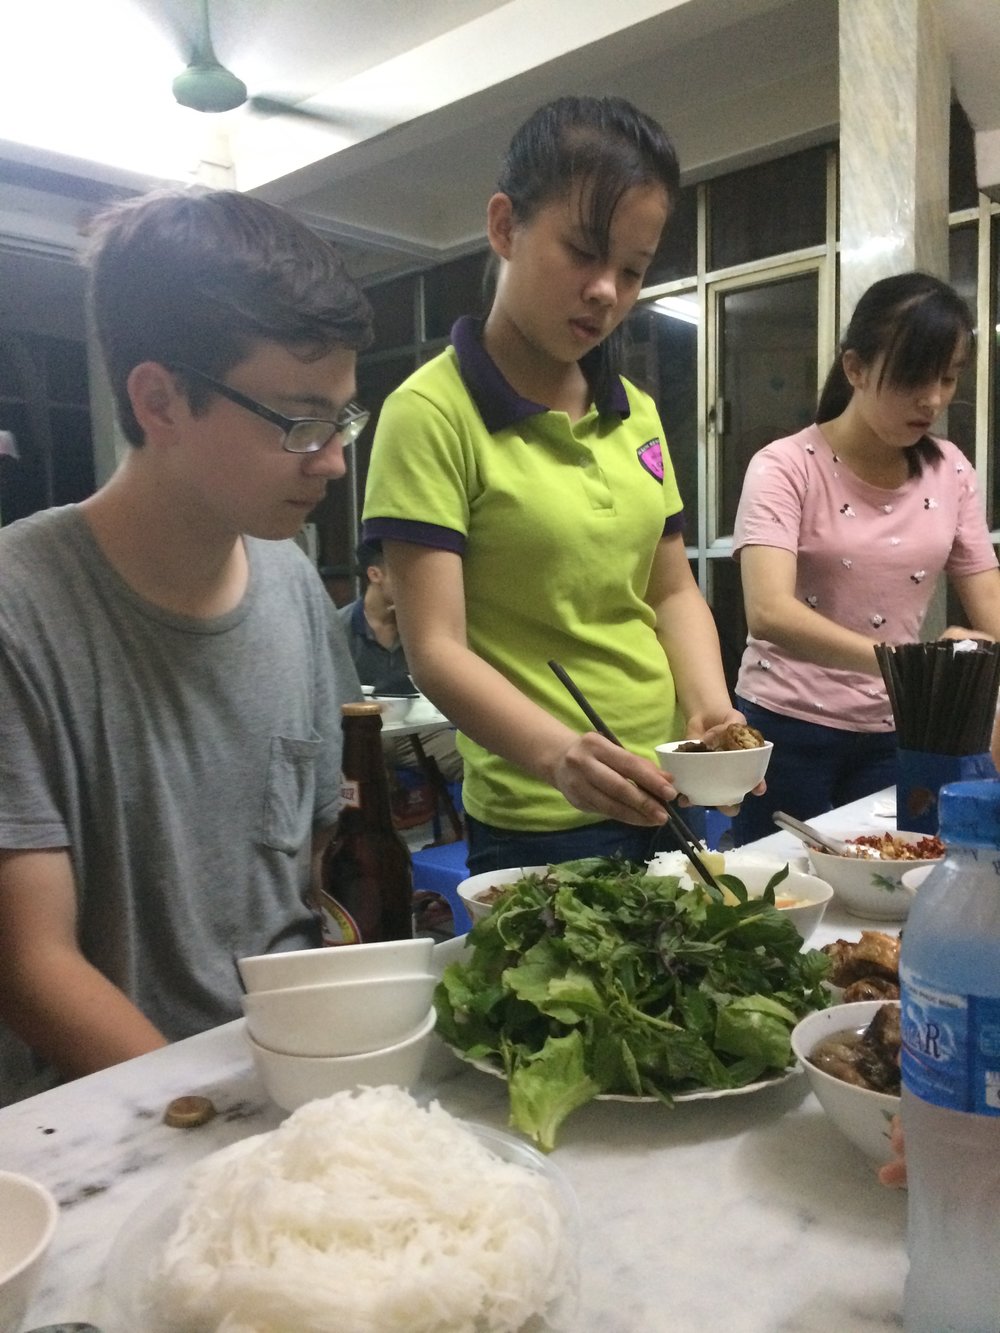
(749,1213)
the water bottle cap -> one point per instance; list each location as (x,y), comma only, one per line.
(969,813)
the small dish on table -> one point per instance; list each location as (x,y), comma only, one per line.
(873,886)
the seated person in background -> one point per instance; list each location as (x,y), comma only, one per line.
(373,638)
(171,666)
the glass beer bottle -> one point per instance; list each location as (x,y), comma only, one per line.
(366,884)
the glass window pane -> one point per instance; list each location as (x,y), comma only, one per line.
(964,259)
(332,516)
(768,209)
(392,303)
(73,455)
(677,256)
(768,374)
(66,371)
(662,358)
(451,290)
(726,599)
(23,480)
(963,190)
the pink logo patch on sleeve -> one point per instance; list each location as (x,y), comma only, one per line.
(650,455)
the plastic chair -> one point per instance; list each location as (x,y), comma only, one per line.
(717,825)
(441,869)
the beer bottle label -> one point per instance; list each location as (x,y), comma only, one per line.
(350,793)
(336,923)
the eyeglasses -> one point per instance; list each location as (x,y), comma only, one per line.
(300,435)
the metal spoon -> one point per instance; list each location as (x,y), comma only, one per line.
(811,836)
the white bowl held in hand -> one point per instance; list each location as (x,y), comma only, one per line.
(293,1080)
(714,777)
(870,889)
(345,962)
(28,1217)
(341,1018)
(860,1114)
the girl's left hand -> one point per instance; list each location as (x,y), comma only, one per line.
(699,729)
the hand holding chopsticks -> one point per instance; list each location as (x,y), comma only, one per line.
(687,840)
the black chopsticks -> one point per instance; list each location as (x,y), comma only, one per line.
(690,845)
(943,694)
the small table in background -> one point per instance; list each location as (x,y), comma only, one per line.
(412,731)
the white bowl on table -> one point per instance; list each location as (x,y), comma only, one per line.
(912,879)
(714,777)
(394,707)
(28,1218)
(801,897)
(293,1080)
(422,712)
(346,962)
(471,890)
(810,895)
(861,1115)
(342,1017)
(873,889)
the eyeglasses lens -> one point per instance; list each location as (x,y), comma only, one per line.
(308,437)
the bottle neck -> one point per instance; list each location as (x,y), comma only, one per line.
(365,784)
(362,757)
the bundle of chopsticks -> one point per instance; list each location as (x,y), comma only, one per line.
(943,694)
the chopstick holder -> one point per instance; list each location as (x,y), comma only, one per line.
(943,696)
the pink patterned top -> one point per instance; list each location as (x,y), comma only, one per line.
(867,559)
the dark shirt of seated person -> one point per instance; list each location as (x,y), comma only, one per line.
(171,665)
(374,642)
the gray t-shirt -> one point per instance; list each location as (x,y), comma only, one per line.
(183,762)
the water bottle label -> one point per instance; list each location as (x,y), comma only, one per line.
(951,1046)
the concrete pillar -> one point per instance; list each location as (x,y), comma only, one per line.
(895,94)
(895,101)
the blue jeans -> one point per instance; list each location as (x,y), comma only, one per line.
(813,769)
(492,848)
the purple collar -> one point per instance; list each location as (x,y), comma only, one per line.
(499,404)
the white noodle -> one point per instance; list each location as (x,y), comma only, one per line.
(363,1213)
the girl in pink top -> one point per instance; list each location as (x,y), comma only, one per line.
(841,533)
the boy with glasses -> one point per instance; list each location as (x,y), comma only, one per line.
(171,666)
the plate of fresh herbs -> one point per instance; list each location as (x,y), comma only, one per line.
(598,980)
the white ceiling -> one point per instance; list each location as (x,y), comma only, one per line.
(429,92)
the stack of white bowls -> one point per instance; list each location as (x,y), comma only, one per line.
(322,1020)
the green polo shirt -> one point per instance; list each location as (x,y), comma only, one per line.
(557,523)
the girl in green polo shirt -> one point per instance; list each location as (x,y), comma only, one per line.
(528,509)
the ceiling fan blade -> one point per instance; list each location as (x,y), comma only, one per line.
(267,105)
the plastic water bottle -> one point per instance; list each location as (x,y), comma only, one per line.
(950,995)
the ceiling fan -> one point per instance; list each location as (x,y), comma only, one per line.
(206,85)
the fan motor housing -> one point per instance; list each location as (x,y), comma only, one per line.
(209,87)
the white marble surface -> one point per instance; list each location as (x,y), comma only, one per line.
(748,1213)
